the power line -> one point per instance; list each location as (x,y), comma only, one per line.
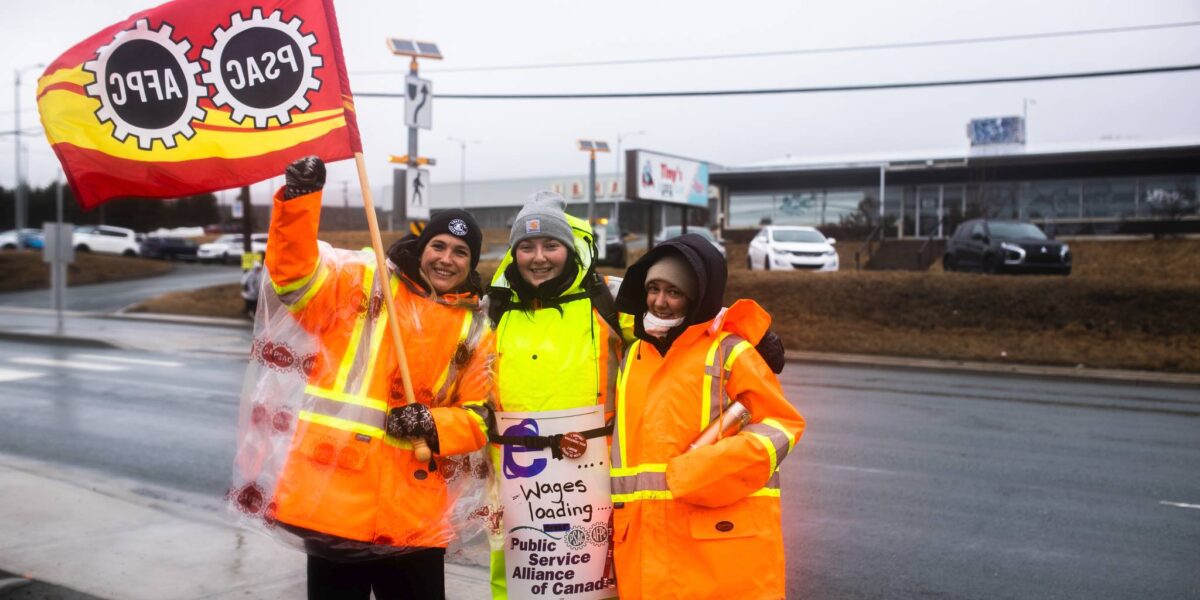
(802,90)
(826,50)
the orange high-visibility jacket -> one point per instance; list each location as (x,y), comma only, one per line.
(703,523)
(344,476)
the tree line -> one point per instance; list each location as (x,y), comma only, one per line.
(136,214)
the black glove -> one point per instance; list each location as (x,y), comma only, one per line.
(770,347)
(304,176)
(413,421)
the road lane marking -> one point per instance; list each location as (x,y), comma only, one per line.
(69,364)
(1180,504)
(11,375)
(132,361)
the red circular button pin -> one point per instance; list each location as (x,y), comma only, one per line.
(573,445)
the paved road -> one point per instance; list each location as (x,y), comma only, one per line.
(113,296)
(913,484)
(908,484)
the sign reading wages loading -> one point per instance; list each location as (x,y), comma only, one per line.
(556,511)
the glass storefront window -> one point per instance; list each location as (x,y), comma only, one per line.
(1167,197)
(1050,200)
(1109,198)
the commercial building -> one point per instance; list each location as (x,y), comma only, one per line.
(1100,188)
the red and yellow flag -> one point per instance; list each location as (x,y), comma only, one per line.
(199,95)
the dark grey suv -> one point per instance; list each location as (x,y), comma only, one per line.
(996,246)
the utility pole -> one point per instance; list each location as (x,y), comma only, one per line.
(345,204)
(247,225)
(20,200)
(592,147)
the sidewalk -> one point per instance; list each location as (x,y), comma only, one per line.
(103,537)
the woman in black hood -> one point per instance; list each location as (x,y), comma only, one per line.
(677,509)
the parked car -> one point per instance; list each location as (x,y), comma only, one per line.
(614,246)
(106,239)
(1003,246)
(228,247)
(25,238)
(669,232)
(791,248)
(169,248)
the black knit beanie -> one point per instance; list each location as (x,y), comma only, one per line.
(458,223)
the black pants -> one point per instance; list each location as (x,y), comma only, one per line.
(417,575)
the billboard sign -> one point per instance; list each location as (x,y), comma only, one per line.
(996,130)
(659,177)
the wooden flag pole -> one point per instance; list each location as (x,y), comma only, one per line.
(420,448)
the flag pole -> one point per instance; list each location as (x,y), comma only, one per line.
(420,448)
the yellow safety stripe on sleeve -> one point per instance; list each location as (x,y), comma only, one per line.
(342,424)
(737,351)
(303,281)
(769,492)
(643,495)
(706,397)
(646,468)
(402,444)
(347,398)
(476,410)
(777,425)
(355,334)
(322,275)
(769,446)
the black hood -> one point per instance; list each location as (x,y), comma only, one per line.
(708,266)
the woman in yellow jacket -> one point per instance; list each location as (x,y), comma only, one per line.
(702,522)
(558,339)
(325,452)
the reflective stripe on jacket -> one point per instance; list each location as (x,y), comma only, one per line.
(344,476)
(703,523)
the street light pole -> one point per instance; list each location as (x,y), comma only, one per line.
(19,198)
(462,185)
(592,147)
(617,203)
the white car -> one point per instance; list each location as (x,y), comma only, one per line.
(228,248)
(791,248)
(672,231)
(106,239)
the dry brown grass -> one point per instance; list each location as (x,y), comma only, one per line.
(216,301)
(24,269)
(1128,305)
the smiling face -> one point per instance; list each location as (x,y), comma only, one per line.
(540,259)
(665,300)
(446,262)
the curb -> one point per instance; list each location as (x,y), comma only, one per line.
(178,319)
(58,340)
(985,368)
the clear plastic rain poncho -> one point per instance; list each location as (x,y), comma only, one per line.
(314,467)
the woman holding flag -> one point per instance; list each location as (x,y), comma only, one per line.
(326,450)
(703,521)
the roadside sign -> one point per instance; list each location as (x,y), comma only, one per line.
(416,194)
(57,246)
(235,210)
(418,102)
(658,177)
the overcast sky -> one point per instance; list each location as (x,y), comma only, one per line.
(524,138)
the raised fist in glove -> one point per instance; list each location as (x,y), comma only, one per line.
(304,176)
(770,347)
(413,421)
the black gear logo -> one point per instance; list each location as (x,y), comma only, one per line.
(146,86)
(262,67)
